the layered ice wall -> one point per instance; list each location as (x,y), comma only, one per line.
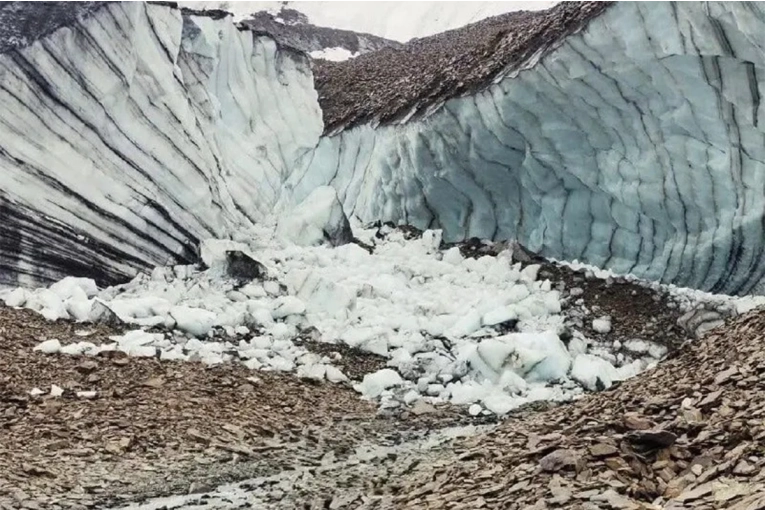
(133,132)
(637,145)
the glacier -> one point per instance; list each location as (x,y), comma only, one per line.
(131,134)
(634,145)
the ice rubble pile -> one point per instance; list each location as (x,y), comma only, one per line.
(634,145)
(442,321)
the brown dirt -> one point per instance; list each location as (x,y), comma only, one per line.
(158,427)
(592,453)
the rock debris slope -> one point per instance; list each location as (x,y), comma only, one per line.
(292,28)
(685,435)
(625,135)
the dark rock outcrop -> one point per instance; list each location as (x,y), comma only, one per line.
(399,83)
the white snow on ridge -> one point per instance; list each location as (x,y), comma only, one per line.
(334,54)
(399,21)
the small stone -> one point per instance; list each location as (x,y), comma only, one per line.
(603,450)
(744,468)
(557,460)
(654,438)
(87,367)
(100,313)
(710,399)
(695,493)
(635,422)
(421,407)
(241,266)
(154,382)
(197,436)
(724,375)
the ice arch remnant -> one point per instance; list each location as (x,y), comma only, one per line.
(625,135)
(635,143)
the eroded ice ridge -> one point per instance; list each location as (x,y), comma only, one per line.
(441,320)
(130,135)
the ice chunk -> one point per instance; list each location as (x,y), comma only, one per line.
(49,346)
(593,373)
(68,286)
(137,342)
(79,309)
(319,218)
(194,321)
(80,348)
(500,404)
(529,273)
(17,297)
(288,305)
(431,239)
(467,324)
(453,256)
(535,356)
(334,375)
(498,316)
(374,384)
(315,371)
(602,325)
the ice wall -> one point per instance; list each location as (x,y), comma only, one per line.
(635,146)
(134,132)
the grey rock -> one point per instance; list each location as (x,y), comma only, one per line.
(242,267)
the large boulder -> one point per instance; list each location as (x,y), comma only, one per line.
(241,266)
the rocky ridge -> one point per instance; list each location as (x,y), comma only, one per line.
(397,84)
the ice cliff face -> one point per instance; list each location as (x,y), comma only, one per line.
(636,145)
(133,132)
(633,144)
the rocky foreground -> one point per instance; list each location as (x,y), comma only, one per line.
(108,430)
(687,434)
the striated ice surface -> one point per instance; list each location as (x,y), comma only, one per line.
(134,133)
(635,146)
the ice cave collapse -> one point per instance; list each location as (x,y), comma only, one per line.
(629,139)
